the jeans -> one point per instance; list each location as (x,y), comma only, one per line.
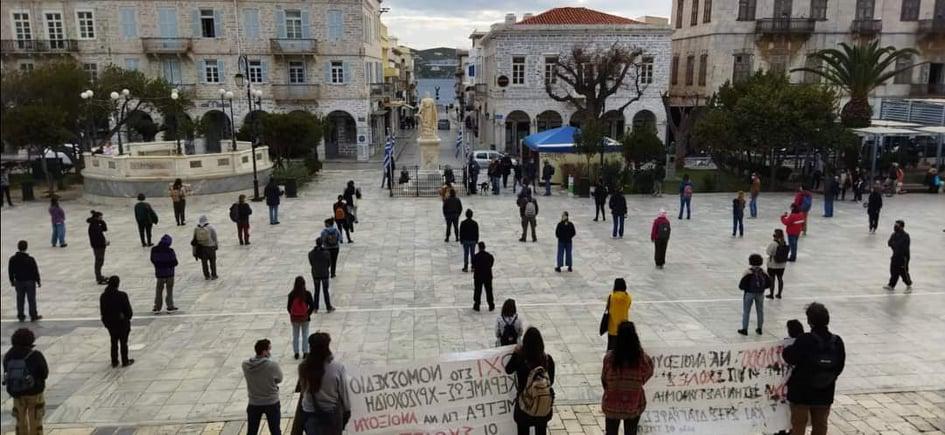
(612,426)
(738,223)
(144,232)
(208,261)
(254,415)
(792,245)
(29,411)
(321,284)
(99,254)
(452,223)
(300,330)
(818,419)
(469,249)
(478,285)
(59,234)
(564,252)
(758,299)
(119,339)
(618,224)
(753,206)
(685,203)
(899,267)
(179,207)
(273,214)
(26,291)
(828,206)
(547,187)
(159,287)
(242,232)
(526,221)
(495,185)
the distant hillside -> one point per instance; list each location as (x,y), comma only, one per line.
(436,63)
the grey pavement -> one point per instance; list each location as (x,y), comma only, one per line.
(402,296)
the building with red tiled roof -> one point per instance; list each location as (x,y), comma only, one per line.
(575,16)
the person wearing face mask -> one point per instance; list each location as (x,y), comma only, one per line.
(565,233)
(899,262)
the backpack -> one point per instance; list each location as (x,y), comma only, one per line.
(687,191)
(331,240)
(530,209)
(18,378)
(339,214)
(152,215)
(781,254)
(235,212)
(825,362)
(662,231)
(509,334)
(202,236)
(298,311)
(536,399)
(757,283)
(806,203)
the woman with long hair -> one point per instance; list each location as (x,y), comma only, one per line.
(325,405)
(300,307)
(618,309)
(178,193)
(776,263)
(626,368)
(534,376)
(508,326)
(116,316)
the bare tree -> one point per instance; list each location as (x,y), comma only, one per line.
(688,108)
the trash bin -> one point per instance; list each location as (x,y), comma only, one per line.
(583,188)
(27,190)
(291,188)
(571,184)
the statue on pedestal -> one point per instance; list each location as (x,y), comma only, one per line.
(428,140)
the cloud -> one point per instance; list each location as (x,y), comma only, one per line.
(447,23)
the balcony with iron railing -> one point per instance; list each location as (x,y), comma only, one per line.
(866,26)
(38,46)
(295,92)
(933,26)
(166,45)
(293,46)
(927,90)
(785,26)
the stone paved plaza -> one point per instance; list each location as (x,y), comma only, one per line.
(401,295)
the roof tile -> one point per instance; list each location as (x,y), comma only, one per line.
(571,15)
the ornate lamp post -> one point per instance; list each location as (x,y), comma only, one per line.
(90,134)
(120,114)
(174,97)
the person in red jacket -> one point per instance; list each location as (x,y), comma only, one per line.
(793,225)
(803,200)
(659,235)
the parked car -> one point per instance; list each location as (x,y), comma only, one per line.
(483,157)
(443,124)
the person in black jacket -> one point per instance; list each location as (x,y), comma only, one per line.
(452,208)
(320,258)
(528,356)
(164,260)
(754,282)
(600,199)
(565,233)
(29,405)
(505,168)
(618,208)
(899,262)
(818,358)
(145,217)
(243,211)
(874,203)
(97,229)
(116,316)
(482,277)
(24,277)
(469,236)
(272,194)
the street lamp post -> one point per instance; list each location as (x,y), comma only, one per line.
(254,102)
(90,135)
(120,114)
(174,97)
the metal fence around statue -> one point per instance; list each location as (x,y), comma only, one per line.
(415,182)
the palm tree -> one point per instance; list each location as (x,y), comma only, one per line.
(857,70)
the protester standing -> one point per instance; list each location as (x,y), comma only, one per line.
(618,210)
(793,225)
(738,214)
(300,306)
(859,185)
(874,203)
(263,377)
(845,183)
(272,194)
(473,171)
(145,217)
(5,185)
(331,238)
(468,236)
(352,195)
(659,174)
(24,277)
(205,247)
(322,262)
(804,201)
(899,262)
(818,358)
(482,277)
(58,217)
(239,213)
(508,326)
(495,173)
(505,167)
(659,235)
(685,196)
(323,382)
(116,316)
(452,208)
(164,260)
(754,193)
(600,199)
(534,380)
(547,172)
(778,252)
(517,175)
(531,174)
(831,190)
(340,210)
(97,229)
(565,233)
(625,370)
(617,310)
(754,282)
(25,373)
(178,193)
(528,210)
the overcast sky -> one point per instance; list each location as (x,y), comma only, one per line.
(424,24)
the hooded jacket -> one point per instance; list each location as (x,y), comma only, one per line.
(793,223)
(618,204)
(802,355)
(263,376)
(452,207)
(655,229)
(163,258)
(320,260)
(97,229)
(36,363)
(272,194)
(899,242)
(115,309)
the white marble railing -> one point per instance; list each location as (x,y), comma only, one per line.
(158,161)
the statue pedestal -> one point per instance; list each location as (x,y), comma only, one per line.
(429,153)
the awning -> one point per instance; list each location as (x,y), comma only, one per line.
(885,131)
(561,140)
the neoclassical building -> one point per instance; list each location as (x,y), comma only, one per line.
(321,56)
(508,65)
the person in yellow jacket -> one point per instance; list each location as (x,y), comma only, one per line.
(618,305)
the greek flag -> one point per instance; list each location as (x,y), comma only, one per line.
(388,152)
(459,142)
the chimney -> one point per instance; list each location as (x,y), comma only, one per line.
(510,18)
(526,16)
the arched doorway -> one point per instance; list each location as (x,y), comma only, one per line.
(517,126)
(548,119)
(341,139)
(140,127)
(216,128)
(252,127)
(644,119)
(577,118)
(616,124)
(180,126)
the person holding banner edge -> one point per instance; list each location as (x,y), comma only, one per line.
(534,377)
(625,369)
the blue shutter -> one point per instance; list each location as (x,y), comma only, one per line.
(346,72)
(129,26)
(367,71)
(218,23)
(265,70)
(196,24)
(328,72)
(131,64)
(251,23)
(201,71)
(167,22)
(306,27)
(280,24)
(220,68)
(335,25)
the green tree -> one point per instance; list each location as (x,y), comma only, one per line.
(857,70)
(35,127)
(291,135)
(589,140)
(641,145)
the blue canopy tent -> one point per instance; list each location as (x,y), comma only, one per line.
(561,140)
